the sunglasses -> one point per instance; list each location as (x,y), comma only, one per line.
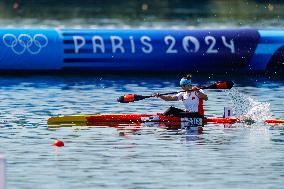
(185,85)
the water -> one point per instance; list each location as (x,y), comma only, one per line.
(223,156)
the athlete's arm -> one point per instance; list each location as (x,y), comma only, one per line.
(166,98)
(200,93)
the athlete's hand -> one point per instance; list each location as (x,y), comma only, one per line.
(156,95)
(194,88)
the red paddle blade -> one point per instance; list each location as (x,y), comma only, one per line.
(126,98)
(130,98)
(221,85)
(225,85)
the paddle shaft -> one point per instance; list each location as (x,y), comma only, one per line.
(135,97)
(212,86)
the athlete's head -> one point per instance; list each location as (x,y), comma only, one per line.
(186,81)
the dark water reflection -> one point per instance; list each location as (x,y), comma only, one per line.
(158,13)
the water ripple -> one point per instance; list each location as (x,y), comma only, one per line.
(223,156)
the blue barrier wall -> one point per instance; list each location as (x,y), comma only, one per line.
(238,50)
(30,49)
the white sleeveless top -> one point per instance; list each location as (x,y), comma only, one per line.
(191,101)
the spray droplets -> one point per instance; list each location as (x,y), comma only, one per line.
(248,108)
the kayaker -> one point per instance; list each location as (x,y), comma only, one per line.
(192,99)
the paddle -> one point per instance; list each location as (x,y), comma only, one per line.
(134,97)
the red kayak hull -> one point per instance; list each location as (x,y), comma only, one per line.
(114,119)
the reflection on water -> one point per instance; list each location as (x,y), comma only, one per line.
(159,13)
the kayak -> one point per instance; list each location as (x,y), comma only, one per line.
(115,120)
(121,118)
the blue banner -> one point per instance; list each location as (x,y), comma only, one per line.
(214,51)
(30,49)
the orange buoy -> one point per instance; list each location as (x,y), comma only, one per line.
(58,143)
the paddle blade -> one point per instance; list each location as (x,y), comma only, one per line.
(221,85)
(130,98)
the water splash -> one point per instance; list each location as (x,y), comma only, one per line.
(247,108)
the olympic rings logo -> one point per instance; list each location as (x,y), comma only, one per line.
(25,42)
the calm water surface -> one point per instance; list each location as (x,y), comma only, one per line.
(223,156)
